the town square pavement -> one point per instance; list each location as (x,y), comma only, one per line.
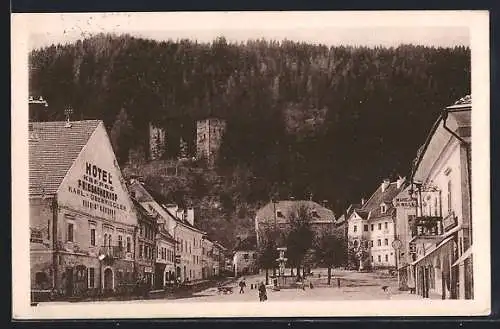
(353,286)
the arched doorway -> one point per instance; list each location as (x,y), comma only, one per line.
(108,279)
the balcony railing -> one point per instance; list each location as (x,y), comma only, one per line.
(427,226)
(113,251)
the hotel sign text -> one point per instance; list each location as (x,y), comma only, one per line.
(96,188)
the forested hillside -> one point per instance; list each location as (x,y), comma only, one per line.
(302,118)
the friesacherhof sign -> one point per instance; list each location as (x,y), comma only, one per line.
(96,188)
(405,202)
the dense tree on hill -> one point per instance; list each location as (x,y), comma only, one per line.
(301,118)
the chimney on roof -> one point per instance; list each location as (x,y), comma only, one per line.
(324,203)
(68,111)
(363,201)
(385,184)
(190,216)
(292,198)
(400,182)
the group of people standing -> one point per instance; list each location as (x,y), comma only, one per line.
(261,288)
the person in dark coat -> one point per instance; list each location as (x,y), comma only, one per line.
(262,292)
(242,286)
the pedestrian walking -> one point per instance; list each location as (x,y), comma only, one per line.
(242,286)
(262,292)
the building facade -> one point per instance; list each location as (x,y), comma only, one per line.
(372,227)
(179,224)
(165,257)
(145,245)
(207,256)
(405,213)
(209,134)
(219,255)
(245,262)
(276,215)
(441,232)
(82,219)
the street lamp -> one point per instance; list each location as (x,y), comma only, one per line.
(275,233)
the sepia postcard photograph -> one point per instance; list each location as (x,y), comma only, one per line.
(250,164)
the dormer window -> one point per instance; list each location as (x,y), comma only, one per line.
(314,213)
(279,214)
(383,208)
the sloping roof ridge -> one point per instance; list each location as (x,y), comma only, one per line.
(64,121)
(51,184)
(371,197)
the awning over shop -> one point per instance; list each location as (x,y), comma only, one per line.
(464,256)
(436,248)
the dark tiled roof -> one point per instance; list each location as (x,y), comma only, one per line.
(373,204)
(266,213)
(140,209)
(161,200)
(362,213)
(52,151)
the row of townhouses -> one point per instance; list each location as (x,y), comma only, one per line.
(422,226)
(92,231)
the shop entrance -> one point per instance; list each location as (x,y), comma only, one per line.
(69,281)
(159,276)
(108,279)
(178,273)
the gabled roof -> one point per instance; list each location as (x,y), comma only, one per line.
(458,119)
(152,195)
(361,213)
(141,210)
(53,149)
(286,206)
(220,246)
(373,204)
(167,236)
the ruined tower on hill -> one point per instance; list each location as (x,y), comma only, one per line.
(209,133)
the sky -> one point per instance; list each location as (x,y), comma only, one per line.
(332,28)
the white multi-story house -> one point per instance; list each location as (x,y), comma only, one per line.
(372,227)
(441,232)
